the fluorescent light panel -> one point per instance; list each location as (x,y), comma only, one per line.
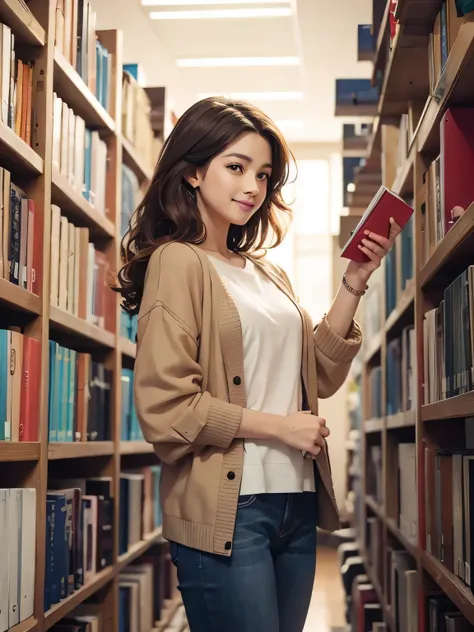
(197,3)
(211,14)
(258,96)
(237,62)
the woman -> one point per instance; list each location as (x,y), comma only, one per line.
(229,371)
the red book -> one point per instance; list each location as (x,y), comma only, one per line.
(384,205)
(457,162)
(30,390)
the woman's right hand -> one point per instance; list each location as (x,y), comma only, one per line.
(304,431)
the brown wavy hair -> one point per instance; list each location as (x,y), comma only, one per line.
(169,212)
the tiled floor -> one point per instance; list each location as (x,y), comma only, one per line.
(327,606)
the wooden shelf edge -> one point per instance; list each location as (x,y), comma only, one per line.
(459,593)
(61,609)
(373,505)
(25,626)
(412,549)
(19,151)
(79,449)
(74,204)
(139,548)
(374,347)
(380,37)
(406,300)
(128,348)
(452,240)
(14,451)
(373,425)
(19,299)
(404,419)
(458,406)
(72,324)
(133,160)
(98,115)
(24,25)
(135,447)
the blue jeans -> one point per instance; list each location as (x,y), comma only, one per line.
(266,584)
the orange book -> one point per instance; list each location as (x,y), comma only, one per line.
(30,390)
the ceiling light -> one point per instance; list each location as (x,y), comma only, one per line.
(226,62)
(271,12)
(256,96)
(195,3)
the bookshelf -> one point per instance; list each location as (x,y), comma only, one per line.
(413,104)
(34,464)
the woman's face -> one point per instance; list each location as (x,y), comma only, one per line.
(232,188)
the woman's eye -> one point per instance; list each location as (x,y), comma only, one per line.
(263,176)
(235,168)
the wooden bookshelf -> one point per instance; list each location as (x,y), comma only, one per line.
(27,464)
(70,86)
(16,154)
(75,206)
(19,299)
(405,89)
(17,15)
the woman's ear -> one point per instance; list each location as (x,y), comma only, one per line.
(192,179)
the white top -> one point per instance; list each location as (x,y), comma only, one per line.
(272,345)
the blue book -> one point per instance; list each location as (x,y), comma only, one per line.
(61,395)
(53,426)
(51,590)
(70,426)
(98,70)
(87,165)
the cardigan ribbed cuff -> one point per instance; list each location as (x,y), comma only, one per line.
(339,350)
(222,423)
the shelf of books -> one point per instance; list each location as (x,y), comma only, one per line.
(80,521)
(417,378)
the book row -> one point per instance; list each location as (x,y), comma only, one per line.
(20,236)
(448,358)
(398,277)
(79,272)
(448,189)
(17,570)
(140,513)
(87,617)
(77,40)
(79,396)
(20,359)
(130,427)
(136,112)
(16,87)
(79,154)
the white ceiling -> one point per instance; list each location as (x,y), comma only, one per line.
(323,33)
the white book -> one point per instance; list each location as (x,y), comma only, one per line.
(5,70)
(77,263)
(4,568)
(63,258)
(71,153)
(14,517)
(64,139)
(55,231)
(70,268)
(57,123)
(79,153)
(27,553)
(90,284)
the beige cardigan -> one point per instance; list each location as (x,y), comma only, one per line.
(190,392)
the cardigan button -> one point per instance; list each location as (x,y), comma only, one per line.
(228,546)
(231,476)
(237,380)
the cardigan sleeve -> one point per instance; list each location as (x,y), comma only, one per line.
(334,355)
(175,414)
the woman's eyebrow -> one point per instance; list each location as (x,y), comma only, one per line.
(246,158)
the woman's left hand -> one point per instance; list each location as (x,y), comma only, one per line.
(375,247)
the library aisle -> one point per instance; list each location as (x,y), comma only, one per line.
(371,95)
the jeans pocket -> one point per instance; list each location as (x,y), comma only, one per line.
(174,552)
(246,500)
